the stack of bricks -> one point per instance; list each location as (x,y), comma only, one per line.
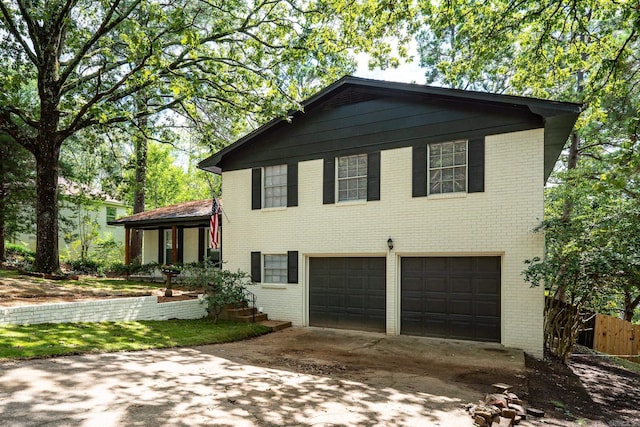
(501,408)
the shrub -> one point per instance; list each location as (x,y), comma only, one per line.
(222,287)
(19,256)
(122,269)
(87,266)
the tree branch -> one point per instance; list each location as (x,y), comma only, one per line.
(13,30)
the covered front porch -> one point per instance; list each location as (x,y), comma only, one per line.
(176,234)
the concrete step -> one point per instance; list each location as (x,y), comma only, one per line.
(249,318)
(275,325)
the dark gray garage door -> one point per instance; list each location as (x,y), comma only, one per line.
(451,297)
(347,293)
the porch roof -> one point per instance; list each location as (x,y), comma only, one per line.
(187,214)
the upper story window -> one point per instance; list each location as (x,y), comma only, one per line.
(111,213)
(447,167)
(352,178)
(275,268)
(275,186)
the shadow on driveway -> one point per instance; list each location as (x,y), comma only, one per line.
(293,377)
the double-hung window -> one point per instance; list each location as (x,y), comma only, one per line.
(447,167)
(275,186)
(275,268)
(352,178)
(111,213)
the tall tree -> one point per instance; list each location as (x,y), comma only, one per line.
(91,59)
(16,190)
(579,51)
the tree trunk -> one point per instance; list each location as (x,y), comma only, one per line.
(47,168)
(630,305)
(2,203)
(139,186)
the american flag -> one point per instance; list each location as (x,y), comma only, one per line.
(214,236)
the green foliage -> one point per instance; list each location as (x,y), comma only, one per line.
(222,287)
(48,340)
(19,256)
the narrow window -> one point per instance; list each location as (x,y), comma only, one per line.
(447,164)
(168,246)
(111,214)
(352,178)
(275,186)
(275,268)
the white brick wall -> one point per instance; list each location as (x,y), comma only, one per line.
(118,309)
(496,222)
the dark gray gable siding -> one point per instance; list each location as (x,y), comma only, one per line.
(377,124)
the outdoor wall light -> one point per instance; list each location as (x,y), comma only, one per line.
(390,243)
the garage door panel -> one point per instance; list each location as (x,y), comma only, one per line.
(487,308)
(348,293)
(461,285)
(451,297)
(490,286)
(488,264)
(434,305)
(434,284)
(460,265)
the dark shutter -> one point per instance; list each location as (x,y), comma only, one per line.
(292,267)
(201,232)
(329,181)
(476,166)
(256,188)
(161,246)
(373,176)
(419,171)
(292,184)
(180,244)
(255,267)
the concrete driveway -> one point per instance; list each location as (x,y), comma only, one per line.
(292,377)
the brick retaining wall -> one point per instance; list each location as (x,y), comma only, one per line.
(117,309)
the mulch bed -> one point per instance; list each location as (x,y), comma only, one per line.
(587,387)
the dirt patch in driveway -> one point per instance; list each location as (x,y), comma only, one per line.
(587,391)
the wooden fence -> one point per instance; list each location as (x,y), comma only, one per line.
(617,337)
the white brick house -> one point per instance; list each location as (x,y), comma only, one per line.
(397,208)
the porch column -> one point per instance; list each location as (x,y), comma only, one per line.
(127,245)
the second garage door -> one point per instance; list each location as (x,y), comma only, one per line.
(347,293)
(451,297)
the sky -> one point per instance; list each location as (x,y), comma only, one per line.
(405,73)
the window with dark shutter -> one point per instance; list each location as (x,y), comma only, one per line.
(256,267)
(292,184)
(328,181)
(292,267)
(476,165)
(256,188)
(419,171)
(373,176)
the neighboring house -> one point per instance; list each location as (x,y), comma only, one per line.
(397,208)
(172,234)
(83,214)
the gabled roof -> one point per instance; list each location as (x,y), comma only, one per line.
(187,213)
(558,117)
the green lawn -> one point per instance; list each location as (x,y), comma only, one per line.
(47,340)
